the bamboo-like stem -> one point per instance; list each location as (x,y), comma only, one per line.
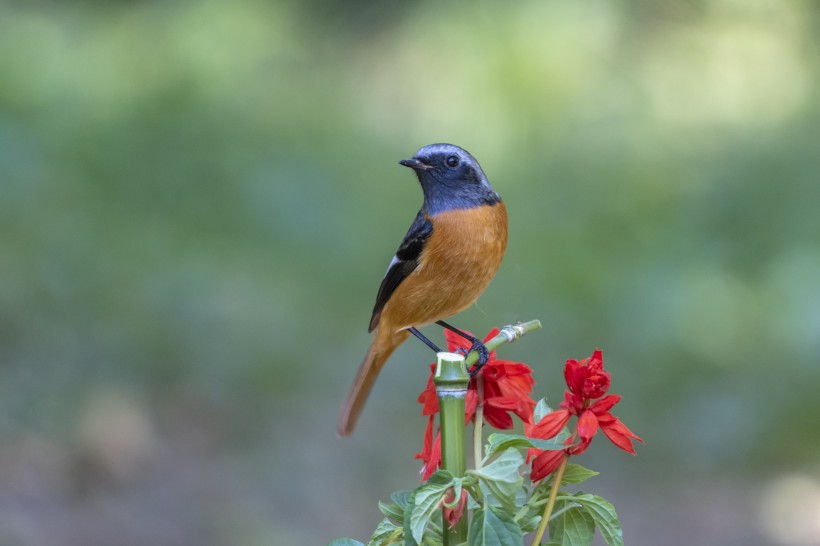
(556,485)
(451,380)
(478,424)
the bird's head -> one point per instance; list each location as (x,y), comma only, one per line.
(450,178)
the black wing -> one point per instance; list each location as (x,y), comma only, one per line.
(404,262)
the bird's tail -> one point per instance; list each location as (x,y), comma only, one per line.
(384,343)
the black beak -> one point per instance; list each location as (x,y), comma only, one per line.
(415,164)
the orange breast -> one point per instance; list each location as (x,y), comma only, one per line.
(459,260)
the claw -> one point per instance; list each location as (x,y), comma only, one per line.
(483,352)
(483,357)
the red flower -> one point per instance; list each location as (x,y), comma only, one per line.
(452,515)
(587,378)
(431,452)
(587,381)
(506,389)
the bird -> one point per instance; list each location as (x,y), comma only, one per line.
(447,259)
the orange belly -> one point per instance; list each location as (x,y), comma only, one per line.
(459,260)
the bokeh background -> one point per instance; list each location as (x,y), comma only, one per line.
(198,200)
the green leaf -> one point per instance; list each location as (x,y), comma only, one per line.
(573,527)
(385,532)
(458,484)
(439,476)
(504,468)
(472,504)
(603,513)
(392,511)
(345,542)
(529,522)
(575,473)
(494,527)
(501,477)
(424,501)
(401,497)
(408,534)
(541,409)
(499,442)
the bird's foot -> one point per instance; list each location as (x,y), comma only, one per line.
(477,345)
(483,356)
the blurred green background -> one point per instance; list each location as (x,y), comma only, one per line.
(198,201)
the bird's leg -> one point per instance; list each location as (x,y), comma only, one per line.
(424,339)
(477,345)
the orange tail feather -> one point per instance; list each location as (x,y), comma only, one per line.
(380,350)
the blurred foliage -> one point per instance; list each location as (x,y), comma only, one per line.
(198,200)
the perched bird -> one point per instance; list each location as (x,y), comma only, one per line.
(445,262)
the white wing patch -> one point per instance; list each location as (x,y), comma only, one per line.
(393,262)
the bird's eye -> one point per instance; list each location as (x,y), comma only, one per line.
(452,161)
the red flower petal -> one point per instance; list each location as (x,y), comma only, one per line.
(573,403)
(595,385)
(546,463)
(428,397)
(580,447)
(502,402)
(524,411)
(470,405)
(605,404)
(574,374)
(427,447)
(550,425)
(587,425)
(596,361)
(620,435)
(517,376)
(434,462)
(455,341)
(498,418)
(495,411)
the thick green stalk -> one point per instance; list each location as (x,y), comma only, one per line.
(451,380)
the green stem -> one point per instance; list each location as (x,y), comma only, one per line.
(479,422)
(556,485)
(451,380)
(508,334)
